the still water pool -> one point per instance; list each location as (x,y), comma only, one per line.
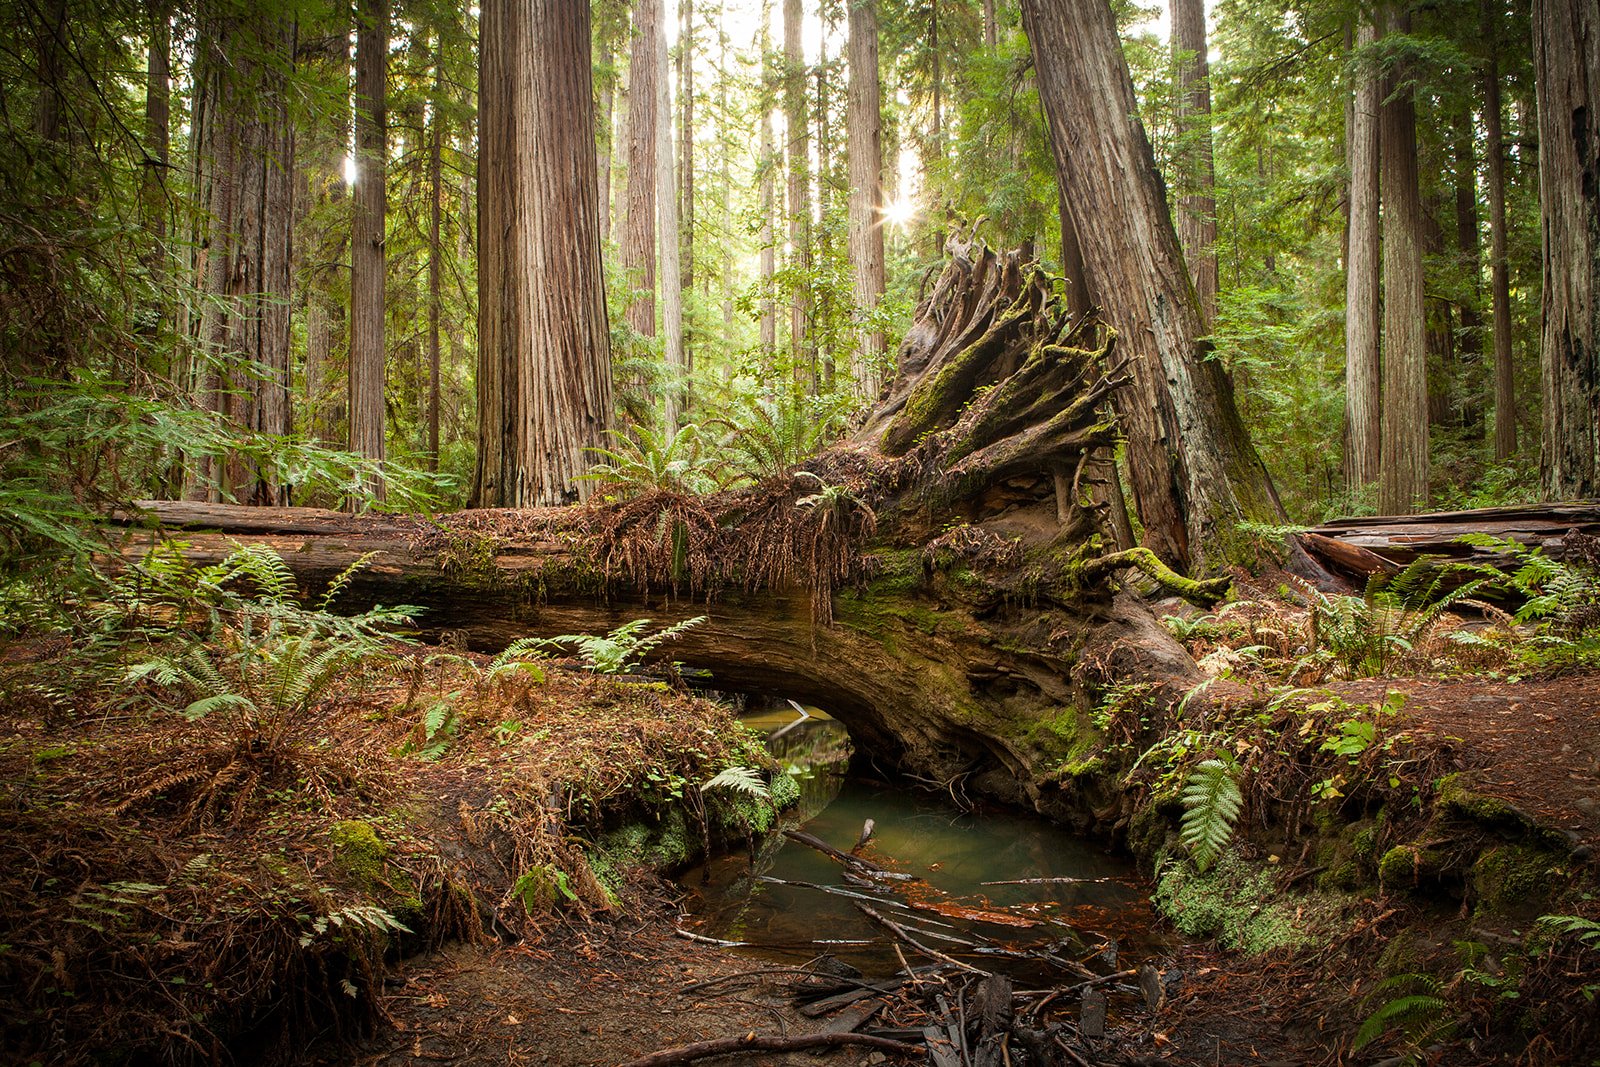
(1000,889)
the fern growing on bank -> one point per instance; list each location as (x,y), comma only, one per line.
(1211,805)
(746,780)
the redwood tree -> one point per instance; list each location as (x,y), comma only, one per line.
(544,366)
(864,146)
(1363,433)
(367,262)
(1197,205)
(1566,59)
(1193,470)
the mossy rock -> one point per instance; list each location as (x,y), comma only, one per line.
(1149,831)
(1515,879)
(1411,866)
(1454,795)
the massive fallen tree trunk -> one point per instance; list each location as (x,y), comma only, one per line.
(942,582)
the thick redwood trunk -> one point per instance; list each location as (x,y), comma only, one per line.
(1363,433)
(864,136)
(1566,59)
(1194,472)
(368,351)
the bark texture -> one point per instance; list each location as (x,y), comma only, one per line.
(1363,428)
(1566,57)
(864,135)
(369,204)
(1197,205)
(1505,401)
(670,251)
(544,367)
(1404,481)
(637,256)
(797,126)
(1193,470)
(245,152)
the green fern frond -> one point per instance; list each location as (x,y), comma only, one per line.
(745,780)
(1211,805)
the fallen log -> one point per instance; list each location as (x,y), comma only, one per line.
(933,582)
(1383,544)
(728,1046)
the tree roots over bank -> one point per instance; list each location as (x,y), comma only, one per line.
(940,581)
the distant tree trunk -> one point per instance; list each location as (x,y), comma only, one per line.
(604,123)
(686,140)
(544,367)
(864,147)
(157,130)
(1362,400)
(319,354)
(1404,464)
(825,295)
(246,154)
(153,199)
(1197,205)
(1505,403)
(991,34)
(368,352)
(1566,61)
(725,194)
(638,254)
(769,236)
(1193,470)
(435,254)
(936,134)
(1469,344)
(670,271)
(51,49)
(798,125)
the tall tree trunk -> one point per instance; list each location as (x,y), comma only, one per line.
(1505,401)
(157,130)
(670,266)
(605,135)
(368,351)
(1469,252)
(991,33)
(1197,205)
(638,254)
(725,194)
(51,50)
(544,366)
(686,140)
(1193,470)
(936,134)
(1363,435)
(825,294)
(1566,61)
(435,253)
(246,155)
(1404,464)
(798,125)
(864,147)
(769,235)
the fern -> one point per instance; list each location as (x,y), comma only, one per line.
(745,780)
(1422,1015)
(623,649)
(369,916)
(1211,806)
(1587,931)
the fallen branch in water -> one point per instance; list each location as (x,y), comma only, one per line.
(727,1046)
(866,866)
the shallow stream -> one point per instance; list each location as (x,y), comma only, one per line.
(1000,889)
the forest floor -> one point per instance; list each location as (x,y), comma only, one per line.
(158,897)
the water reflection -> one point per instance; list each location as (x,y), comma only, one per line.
(1067,898)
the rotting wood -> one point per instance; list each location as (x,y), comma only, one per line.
(1383,544)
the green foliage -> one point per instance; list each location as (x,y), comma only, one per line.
(1211,805)
(1585,931)
(264,661)
(645,460)
(1366,636)
(623,649)
(746,780)
(766,434)
(1419,1012)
